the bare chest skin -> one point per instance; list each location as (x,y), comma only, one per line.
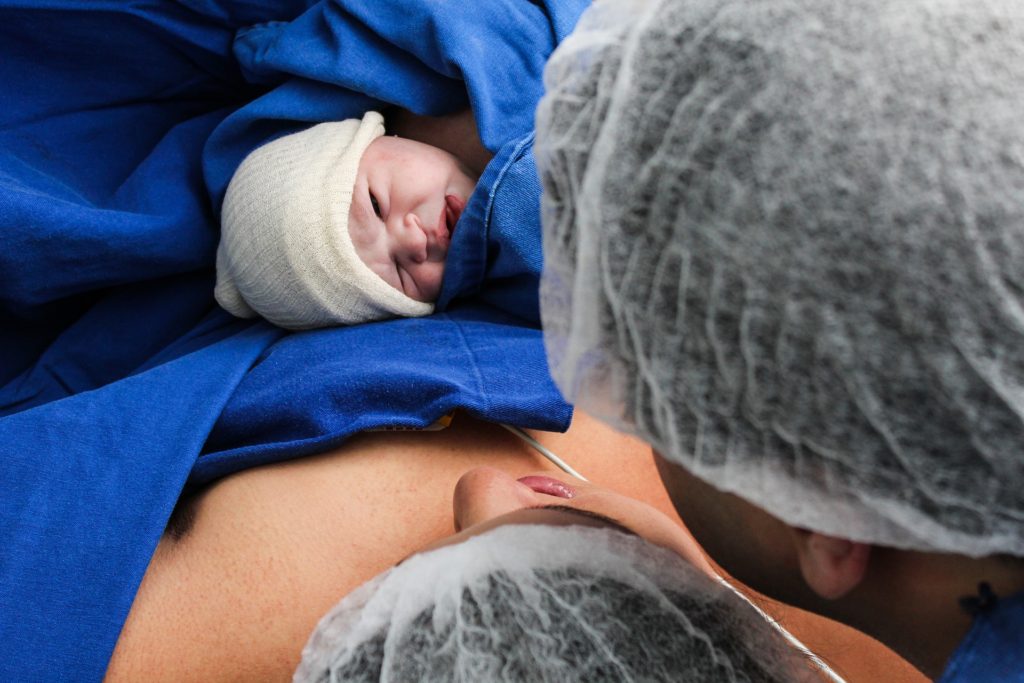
(273,548)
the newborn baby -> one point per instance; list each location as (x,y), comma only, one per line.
(337,224)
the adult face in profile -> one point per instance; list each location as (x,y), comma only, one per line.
(781,245)
(250,564)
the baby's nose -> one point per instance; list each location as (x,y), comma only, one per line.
(435,245)
(412,238)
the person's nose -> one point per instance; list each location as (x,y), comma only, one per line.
(410,238)
(484,493)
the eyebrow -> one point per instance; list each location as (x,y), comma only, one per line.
(589,514)
(579,512)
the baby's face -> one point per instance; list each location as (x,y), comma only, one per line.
(407,198)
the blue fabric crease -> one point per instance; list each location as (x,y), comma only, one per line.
(121,381)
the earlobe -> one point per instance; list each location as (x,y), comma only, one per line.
(831,566)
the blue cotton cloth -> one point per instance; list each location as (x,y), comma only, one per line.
(121,381)
(993,650)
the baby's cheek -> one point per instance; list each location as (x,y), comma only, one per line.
(428,280)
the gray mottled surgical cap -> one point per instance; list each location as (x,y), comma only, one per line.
(541,603)
(784,242)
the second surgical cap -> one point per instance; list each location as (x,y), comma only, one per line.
(542,603)
(784,242)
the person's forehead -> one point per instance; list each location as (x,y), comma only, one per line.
(377,158)
(392,153)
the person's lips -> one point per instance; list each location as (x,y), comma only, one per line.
(444,231)
(453,207)
(549,486)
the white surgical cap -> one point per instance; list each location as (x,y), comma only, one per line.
(784,242)
(541,603)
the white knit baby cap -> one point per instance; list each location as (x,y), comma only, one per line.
(285,251)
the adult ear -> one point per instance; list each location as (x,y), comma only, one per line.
(831,566)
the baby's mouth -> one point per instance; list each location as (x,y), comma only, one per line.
(453,207)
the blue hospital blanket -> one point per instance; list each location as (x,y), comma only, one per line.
(991,652)
(121,381)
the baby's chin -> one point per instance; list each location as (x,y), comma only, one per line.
(430,295)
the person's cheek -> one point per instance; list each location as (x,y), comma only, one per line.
(428,280)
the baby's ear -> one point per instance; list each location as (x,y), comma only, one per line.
(227,294)
(831,566)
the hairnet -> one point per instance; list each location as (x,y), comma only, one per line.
(542,603)
(784,242)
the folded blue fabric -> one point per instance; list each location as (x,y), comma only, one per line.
(472,357)
(121,382)
(89,482)
(991,651)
